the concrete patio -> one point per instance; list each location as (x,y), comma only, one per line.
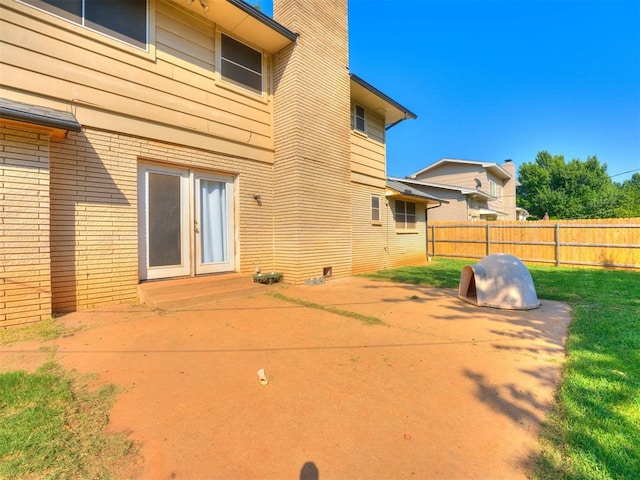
(442,390)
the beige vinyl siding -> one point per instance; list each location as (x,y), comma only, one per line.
(407,247)
(174,84)
(368,152)
(457,174)
(370,239)
(25,289)
(456,209)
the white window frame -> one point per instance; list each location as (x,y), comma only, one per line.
(356,117)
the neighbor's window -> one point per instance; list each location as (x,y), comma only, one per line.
(405,215)
(375,208)
(495,190)
(359,119)
(240,64)
(125,20)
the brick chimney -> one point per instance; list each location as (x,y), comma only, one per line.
(311,140)
(509,191)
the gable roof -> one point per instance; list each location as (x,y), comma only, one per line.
(462,190)
(405,190)
(494,168)
(367,95)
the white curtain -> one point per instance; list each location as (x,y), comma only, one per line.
(213,221)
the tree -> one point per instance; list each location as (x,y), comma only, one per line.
(568,190)
(630,198)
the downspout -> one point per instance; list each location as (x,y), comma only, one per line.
(426,227)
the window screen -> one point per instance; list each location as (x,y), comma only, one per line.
(405,215)
(375,208)
(359,122)
(240,64)
(125,20)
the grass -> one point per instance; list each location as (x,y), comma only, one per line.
(593,430)
(37,331)
(366,319)
(53,426)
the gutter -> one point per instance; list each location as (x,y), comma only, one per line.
(407,114)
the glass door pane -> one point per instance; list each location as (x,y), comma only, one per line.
(214,203)
(213,222)
(165,223)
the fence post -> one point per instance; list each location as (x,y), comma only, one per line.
(433,240)
(488,240)
(556,237)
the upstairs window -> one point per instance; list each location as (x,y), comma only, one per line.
(240,64)
(405,215)
(125,20)
(375,208)
(495,190)
(359,119)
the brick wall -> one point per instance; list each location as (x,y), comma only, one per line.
(25,290)
(312,141)
(94,213)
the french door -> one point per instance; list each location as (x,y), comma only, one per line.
(186,222)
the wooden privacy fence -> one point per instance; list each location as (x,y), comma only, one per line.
(599,242)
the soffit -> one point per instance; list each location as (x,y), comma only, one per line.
(244,21)
(368,96)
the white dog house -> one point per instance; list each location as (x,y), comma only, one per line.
(498,281)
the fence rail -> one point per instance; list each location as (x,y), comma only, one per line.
(605,243)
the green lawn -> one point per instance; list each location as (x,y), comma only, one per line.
(52,425)
(593,431)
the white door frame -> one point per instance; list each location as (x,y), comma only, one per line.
(191,262)
(227,263)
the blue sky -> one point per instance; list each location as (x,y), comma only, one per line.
(498,79)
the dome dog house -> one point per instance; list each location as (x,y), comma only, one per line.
(498,281)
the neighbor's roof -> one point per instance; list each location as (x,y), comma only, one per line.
(366,94)
(462,190)
(36,115)
(494,168)
(404,190)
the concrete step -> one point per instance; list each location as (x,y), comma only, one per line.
(185,293)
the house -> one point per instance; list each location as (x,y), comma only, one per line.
(154,139)
(474,190)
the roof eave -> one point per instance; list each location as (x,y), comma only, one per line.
(38,116)
(394,112)
(265,19)
(244,21)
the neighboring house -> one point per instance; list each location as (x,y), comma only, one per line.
(473,190)
(154,139)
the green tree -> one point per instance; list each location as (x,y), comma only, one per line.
(630,198)
(567,190)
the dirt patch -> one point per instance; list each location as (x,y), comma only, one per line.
(442,389)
